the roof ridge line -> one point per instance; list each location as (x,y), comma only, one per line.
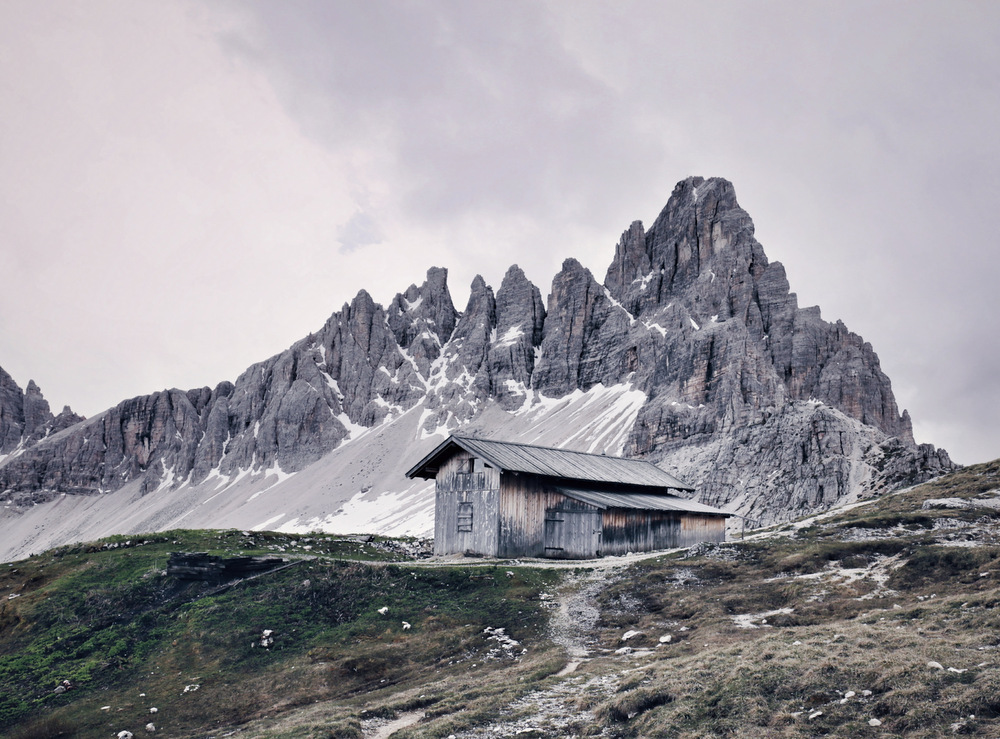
(464,437)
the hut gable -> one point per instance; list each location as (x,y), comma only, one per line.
(507,499)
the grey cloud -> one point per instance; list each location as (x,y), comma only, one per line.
(361,230)
(487,109)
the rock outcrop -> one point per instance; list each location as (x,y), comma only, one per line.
(520,321)
(700,275)
(764,406)
(281,414)
(25,417)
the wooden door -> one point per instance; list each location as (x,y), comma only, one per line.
(572,534)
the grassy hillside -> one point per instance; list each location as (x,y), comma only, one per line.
(880,621)
(877,621)
(130,639)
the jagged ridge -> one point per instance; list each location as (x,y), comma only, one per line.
(25,417)
(760,403)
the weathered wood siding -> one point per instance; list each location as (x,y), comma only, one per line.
(699,527)
(466,502)
(524,499)
(536,521)
(627,530)
(572,531)
(479,509)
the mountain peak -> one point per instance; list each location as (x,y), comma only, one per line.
(693,353)
(25,417)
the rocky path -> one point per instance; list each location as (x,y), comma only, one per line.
(559,709)
(554,710)
(383,729)
(575,617)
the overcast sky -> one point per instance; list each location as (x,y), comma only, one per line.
(189,187)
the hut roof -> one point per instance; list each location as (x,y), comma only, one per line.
(514,457)
(639,501)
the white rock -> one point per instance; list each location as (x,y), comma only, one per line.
(629,634)
(796,643)
(935,665)
(683,628)
(105,708)
(624,650)
(945,503)
(955,669)
(816,714)
(866,693)
(850,694)
(874,722)
(150,727)
(666,638)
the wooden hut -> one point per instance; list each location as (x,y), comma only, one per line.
(503,499)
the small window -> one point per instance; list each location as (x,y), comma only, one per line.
(464,517)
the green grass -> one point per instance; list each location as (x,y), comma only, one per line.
(106,617)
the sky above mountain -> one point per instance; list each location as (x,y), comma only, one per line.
(187,188)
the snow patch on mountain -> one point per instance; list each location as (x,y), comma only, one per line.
(597,421)
(408,512)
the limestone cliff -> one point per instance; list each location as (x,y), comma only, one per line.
(764,406)
(25,417)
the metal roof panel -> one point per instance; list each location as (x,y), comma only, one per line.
(551,462)
(640,501)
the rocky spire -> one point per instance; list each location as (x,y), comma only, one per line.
(11,413)
(25,417)
(520,323)
(582,341)
(422,319)
(700,259)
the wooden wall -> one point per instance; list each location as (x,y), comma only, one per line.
(523,502)
(479,488)
(520,515)
(629,530)
(697,528)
